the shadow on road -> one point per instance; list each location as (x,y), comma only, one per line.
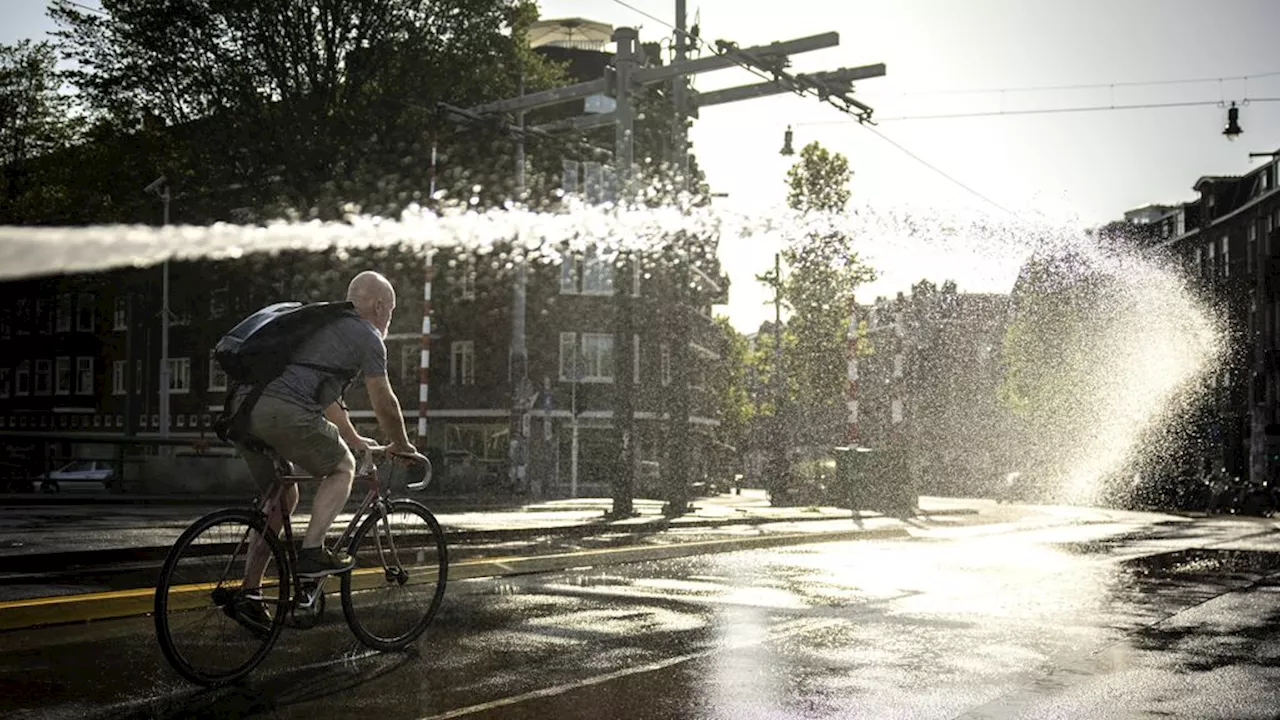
(257,697)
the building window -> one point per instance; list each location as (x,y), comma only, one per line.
(469,278)
(569,177)
(592,361)
(182,420)
(217,303)
(4,382)
(44,377)
(597,275)
(191,421)
(22,379)
(597,357)
(593,182)
(118,369)
(179,375)
(898,362)
(84,376)
(462,362)
(120,318)
(44,317)
(569,274)
(410,358)
(155,421)
(664,363)
(85,313)
(206,419)
(62,376)
(22,317)
(217,377)
(65,311)
(570,363)
(97,421)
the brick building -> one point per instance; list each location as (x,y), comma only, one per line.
(928,380)
(1228,242)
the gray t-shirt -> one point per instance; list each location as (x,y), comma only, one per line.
(349,342)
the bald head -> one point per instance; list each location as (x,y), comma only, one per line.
(373,297)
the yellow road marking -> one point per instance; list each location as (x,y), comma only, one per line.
(86,607)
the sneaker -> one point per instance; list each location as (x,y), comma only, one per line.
(247,609)
(318,562)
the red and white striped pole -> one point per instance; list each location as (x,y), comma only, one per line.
(424,363)
(424,360)
(852,388)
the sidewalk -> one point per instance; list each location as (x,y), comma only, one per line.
(64,532)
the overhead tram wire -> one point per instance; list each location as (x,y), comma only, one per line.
(803,91)
(1095,86)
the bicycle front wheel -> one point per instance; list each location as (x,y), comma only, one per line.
(199,611)
(398,582)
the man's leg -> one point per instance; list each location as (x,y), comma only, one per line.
(263,470)
(330,498)
(256,562)
(311,442)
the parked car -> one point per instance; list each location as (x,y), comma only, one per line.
(80,475)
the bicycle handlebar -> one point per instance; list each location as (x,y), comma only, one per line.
(366,458)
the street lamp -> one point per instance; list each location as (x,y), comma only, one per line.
(160,187)
(786,143)
(1233,128)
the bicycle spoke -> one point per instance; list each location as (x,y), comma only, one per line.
(198,617)
(388,601)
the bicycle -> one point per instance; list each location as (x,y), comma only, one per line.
(198,586)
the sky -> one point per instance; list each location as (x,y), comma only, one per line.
(1082,168)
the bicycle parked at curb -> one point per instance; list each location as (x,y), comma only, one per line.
(388,598)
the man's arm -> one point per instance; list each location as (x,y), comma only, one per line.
(386,407)
(337,415)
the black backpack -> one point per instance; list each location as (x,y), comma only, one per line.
(259,348)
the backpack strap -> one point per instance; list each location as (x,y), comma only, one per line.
(233,425)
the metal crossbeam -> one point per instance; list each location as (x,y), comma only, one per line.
(580,123)
(554,96)
(836,80)
(728,59)
(457,114)
(649,76)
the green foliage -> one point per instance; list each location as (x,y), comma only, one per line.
(729,381)
(819,290)
(285,108)
(36,119)
(819,181)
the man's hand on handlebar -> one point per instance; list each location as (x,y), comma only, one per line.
(406,450)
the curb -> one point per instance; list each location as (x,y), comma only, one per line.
(32,563)
(90,607)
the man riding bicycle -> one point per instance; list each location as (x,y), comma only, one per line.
(300,416)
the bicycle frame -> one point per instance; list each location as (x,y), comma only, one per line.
(372,499)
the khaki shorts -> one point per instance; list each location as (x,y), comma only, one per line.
(303,437)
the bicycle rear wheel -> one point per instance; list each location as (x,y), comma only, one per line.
(402,565)
(199,583)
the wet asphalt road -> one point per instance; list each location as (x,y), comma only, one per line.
(1128,615)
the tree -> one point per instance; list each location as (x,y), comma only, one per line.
(819,290)
(322,101)
(730,383)
(36,119)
